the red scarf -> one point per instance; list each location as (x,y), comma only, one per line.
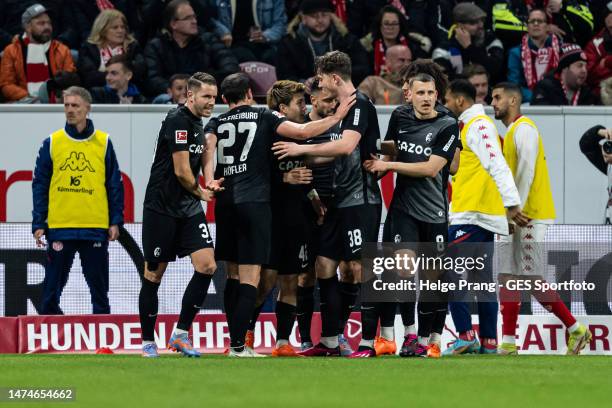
(574,101)
(528,57)
(104,5)
(379,53)
(340,6)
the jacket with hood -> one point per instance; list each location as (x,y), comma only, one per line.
(597,50)
(296,54)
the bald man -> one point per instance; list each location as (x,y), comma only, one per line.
(386,89)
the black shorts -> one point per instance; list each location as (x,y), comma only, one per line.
(290,250)
(244,233)
(402,227)
(344,231)
(165,237)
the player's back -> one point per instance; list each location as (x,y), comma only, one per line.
(244,141)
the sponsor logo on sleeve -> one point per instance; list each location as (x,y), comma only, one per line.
(356,117)
(180,137)
(449,143)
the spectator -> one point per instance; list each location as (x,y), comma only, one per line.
(33,62)
(508,21)
(314,32)
(606,92)
(478,76)
(81,15)
(571,20)
(423,18)
(362,14)
(70,220)
(537,55)
(252,29)
(118,89)
(109,36)
(10,18)
(567,85)
(152,12)
(469,43)
(386,88)
(390,28)
(596,145)
(177,91)
(181,49)
(599,56)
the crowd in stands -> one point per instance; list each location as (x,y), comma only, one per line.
(142,51)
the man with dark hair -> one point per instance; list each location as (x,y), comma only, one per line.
(484,198)
(323,105)
(173,221)
(354,215)
(567,84)
(524,151)
(313,33)
(118,89)
(290,228)
(242,138)
(181,48)
(479,78)
(425,139)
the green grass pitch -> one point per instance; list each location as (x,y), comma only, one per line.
(217,381)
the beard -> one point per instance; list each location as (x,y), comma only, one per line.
(479,38)
(42,37)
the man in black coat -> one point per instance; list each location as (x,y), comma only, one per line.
(182,49)
(567,85)
(313,33)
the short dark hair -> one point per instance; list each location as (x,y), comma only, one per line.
(464,88)
(198,79)
(334,62)
(122,59)
(426,66)
(314,88)
(170,12)
(422,77)
(282,92)
(510,87)
(178,77)
(473,70)
(234,87)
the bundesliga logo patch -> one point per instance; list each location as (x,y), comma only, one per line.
(180,136)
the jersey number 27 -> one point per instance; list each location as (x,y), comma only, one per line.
(230,129)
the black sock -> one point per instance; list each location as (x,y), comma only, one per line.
(348,297)
(255,316)
(369,320)
(247,294)
(426,309)
(407,312)
(194,296)
(330,306)
(304,310)
(229,298)
(147,306)
(439,317)
(386,311)
(285,316)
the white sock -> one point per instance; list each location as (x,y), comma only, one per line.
(145,342)
(410,330)
(509,339)
(387,333)
(366,343)
(435,338)
(180,331)
(331,342)
(281,343)
(423,341)
(573,327)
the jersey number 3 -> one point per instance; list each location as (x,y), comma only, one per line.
(230,129)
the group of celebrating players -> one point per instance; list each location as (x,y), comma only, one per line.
(297,196)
